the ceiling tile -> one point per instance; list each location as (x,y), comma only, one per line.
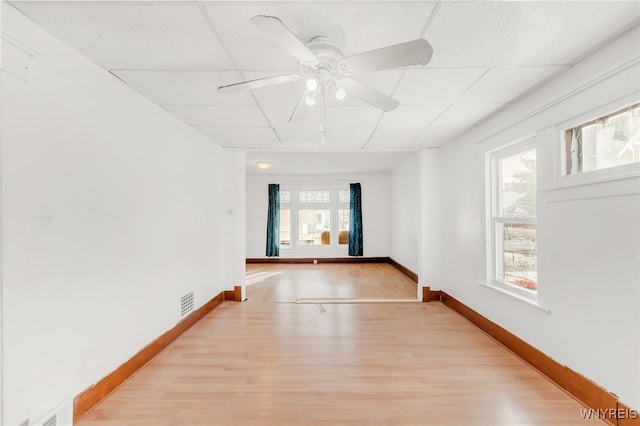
(335,117)
(524,33)
(436,86)
(501,85)
(133,35)
(297,135)
(394,137)
(347,138)
(411,115)
(279,117)
(251,137)
(465,114)
(185,87)
(250,144)
(307,137)
(436,136)
(325,162)
(228,116)
(356,27)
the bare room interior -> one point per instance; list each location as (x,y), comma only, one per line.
(324,212)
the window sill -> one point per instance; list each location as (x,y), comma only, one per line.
(628,171)
(535,302)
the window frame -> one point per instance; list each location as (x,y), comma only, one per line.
(495,220)
(333,206)
(562,180)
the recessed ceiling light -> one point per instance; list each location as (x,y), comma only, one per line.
(264,165)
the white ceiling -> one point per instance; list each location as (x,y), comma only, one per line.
(486,56)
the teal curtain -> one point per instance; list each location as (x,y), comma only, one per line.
(355,220)
(273,221)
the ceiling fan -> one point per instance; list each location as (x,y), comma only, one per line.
(323,64)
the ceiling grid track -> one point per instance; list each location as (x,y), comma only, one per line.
(187,65)
(434,11)
(235,65)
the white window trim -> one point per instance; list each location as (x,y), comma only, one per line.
(493,243)
(560,180)
(333,206)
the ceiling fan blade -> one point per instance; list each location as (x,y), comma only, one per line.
(415,52)
(301,108)
(368,94)
(260,82)
(278,31)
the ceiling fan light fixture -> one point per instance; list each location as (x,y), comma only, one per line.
(263,165)
(340,93)
(312,84)
(310,100)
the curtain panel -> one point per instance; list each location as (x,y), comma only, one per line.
(273,221)
(355,220)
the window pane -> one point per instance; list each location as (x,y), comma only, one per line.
(285,197)
(344,196)
(609,141)
(343,226)
(519,256)
(314,196)
(518,185)
(285,227)
(314,227)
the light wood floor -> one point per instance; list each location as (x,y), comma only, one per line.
(290,282)
(335,364)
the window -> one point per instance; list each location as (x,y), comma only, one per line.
(343,225)
(314,227)
(512,223)
(305,197)
(609,141)
(285,218)
(313,217)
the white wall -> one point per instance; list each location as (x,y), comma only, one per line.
(404,215)
(430,211)
(234,217)
(375,214)
(111,211)
(588,235)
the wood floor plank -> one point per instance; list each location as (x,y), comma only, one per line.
(289,282)
(266,363)
(336,364)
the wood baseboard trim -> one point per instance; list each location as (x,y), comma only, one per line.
(581,388)
(91,396)
(429,295)
(408,272)
(318,260)
(229,294)
(426,294)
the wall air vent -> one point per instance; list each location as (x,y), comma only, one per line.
(51,421)
(186,304)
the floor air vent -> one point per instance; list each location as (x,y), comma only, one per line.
(186,304)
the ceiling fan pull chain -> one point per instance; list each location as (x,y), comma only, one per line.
(322,126)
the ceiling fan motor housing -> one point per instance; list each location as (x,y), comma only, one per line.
(328,54)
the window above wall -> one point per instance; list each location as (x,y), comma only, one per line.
(603,148)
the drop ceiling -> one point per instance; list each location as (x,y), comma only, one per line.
(486,56)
